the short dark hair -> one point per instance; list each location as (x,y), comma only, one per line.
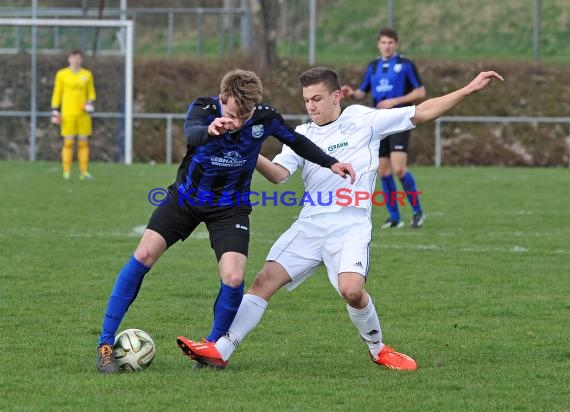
(76,52)
(320,75)
(388,32)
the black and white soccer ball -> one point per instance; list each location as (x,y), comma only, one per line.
(134,350)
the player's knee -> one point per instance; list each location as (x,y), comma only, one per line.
(233,279)
(68,143)
(352,294)
(264,285)
(145,256)
(82,143)
(384,170)
(262,279)
(399,170)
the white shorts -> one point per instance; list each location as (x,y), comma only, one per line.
(340,240)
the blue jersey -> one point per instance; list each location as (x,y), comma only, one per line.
(220,168)
(386,79)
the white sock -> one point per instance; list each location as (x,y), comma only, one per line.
(368,325)
(247,317)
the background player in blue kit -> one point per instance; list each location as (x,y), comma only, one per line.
(393,81)
(224,135)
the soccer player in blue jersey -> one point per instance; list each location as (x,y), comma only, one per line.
(224,135)
(393,81)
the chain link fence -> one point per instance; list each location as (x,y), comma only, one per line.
(345,30)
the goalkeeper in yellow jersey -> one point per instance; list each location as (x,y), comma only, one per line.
(72,104)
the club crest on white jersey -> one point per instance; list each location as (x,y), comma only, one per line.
(347,128)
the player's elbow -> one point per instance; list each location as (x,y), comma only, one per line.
(422,115)
(278,178)
(421,93)
(282,176)
(274,173)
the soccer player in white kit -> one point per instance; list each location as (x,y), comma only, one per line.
(336,235)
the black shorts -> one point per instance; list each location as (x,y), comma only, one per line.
(394,143)
(228,226)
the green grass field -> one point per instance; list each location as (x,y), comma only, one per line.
(480,297)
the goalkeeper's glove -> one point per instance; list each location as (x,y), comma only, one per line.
(55,117)
(89,107)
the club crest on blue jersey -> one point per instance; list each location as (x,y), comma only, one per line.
(233,155)
(230,159)
(257,131)
(398,67)
(384,86)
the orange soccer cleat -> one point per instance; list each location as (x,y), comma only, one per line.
(202,352)
(395,360)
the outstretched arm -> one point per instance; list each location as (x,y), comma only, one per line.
(273,172)
(433,108)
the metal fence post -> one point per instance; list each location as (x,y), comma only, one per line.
(199,30)
(17,38)
(56,35)
(438,143)
(170,34)
(312,31)
(568,144)
(537,23)
(245,39)
(222,32)
(169,139)
(33,85)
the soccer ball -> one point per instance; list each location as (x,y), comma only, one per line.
(134,350)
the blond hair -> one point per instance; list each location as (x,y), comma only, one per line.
(244,86)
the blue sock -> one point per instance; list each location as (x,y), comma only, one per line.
(225,309)
(124,293)
(409,185)
(389,187)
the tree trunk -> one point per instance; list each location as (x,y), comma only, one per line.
(265,21)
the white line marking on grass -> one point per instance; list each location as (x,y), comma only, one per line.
(521,212)
(138,230)
(468,249)
(95,234)
(199,234)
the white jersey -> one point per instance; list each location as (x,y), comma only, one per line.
(352,138)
